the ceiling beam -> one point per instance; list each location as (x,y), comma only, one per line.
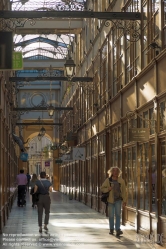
(6,14)
(49,26)
(30,123)
(24,109)
(54,78)
(44,64)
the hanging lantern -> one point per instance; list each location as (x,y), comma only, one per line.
(70,67)
(51,111)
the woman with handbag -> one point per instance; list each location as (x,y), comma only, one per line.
(42,188)
(115,185)
(32,185)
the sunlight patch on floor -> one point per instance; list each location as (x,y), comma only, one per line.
(72,224)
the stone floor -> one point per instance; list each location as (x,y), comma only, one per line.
(72,225)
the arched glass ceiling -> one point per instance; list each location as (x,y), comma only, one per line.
(52,46)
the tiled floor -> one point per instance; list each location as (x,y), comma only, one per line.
(72,225)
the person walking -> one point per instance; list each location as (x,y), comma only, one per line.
(28,180)
(43,187)
(21,181)
(32,185)
(115,185)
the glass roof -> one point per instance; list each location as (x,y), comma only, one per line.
(54,46)
(48,5)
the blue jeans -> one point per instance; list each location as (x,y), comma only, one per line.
(114,209)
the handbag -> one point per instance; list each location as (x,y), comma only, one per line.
(32,191)
(104,197)
(36,197)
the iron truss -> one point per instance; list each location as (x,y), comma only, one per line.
(23,124)
(10,20)
(54,78)
(7,14)
(51,5)
(26,109)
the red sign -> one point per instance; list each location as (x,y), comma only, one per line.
(47,164)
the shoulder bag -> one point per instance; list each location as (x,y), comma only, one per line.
(104,196)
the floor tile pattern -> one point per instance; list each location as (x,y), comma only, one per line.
(72,225)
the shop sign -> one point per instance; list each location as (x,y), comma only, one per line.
(79,153)
(24,156)
(58,161)
(139,134)
(47,164)
(17,62)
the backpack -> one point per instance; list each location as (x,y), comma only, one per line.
(28,177)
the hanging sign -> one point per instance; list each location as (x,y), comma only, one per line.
(17,62)
(24,156)
(58,161)
(79,153)
(67,157)
(139,134)
(47,164)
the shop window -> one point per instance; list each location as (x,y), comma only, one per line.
(153,171)
(125,131)
(163,171)
(94,146)
(102,143)
(116,159)
(116,137)
(152,121)
(102,170)
(88,183)
(82,165)
(88,154)
(130,175)
(94,175)
(162,116)
(143,163)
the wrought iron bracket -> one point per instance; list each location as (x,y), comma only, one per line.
(131,29)
(10,20)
